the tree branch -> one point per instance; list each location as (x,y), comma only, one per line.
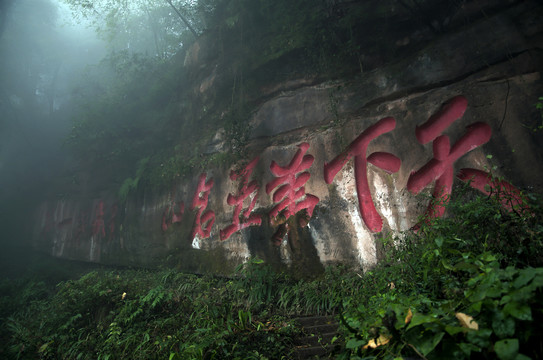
(183,18)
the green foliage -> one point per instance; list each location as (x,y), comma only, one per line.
(539,106)
(270,30)
(469,286)
(148,26)
(164,170)
(237,130)
(131,184)
(124,112)
(259,281)
(144,315)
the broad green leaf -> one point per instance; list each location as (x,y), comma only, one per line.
(426,343)
(475,307)
(519,311)
(446,265)
(510,271)
(488,257)
(523,294)
(480,338)
(524,277)
(495,291)
(453,330)
(538,280)
(418,319)
(506,349)
(354,343)
(478,294)
(468,348)
(503,326)
(44,347)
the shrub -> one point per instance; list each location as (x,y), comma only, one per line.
(462,287)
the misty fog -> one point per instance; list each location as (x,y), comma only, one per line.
(43,51)
(54,56)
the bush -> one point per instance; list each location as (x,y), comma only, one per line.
(462,287)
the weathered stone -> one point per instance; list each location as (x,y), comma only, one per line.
(490,63)
(292,111)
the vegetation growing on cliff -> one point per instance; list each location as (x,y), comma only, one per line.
(160,98)
(469,286)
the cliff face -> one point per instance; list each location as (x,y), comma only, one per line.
(329,167)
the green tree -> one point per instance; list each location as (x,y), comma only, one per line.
(146,26)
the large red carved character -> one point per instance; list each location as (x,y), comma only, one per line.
(204,220)
(357,149)
(247,188)
(510,197)
(440,168)
(290,183)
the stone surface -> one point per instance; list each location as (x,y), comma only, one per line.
(495,63)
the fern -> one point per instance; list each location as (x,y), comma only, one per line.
(156,296)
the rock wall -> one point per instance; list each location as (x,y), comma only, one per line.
(331,167)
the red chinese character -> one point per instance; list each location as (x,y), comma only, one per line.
(247,188)
(199,202)
(170,216)
(440,169)
(509,195)
(98,224)
(382,160)
(114,210)
(291,187)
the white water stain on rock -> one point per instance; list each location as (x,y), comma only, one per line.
(390,202)
(284,251)
(196,243)
(94,250)
(63,212)
(366,245)
(237,246)
(322,246)
(363,239)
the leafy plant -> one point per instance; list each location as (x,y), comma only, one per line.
(131,184)
(539,106)
(461,288)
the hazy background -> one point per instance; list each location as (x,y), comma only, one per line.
(43,53)
(69,71)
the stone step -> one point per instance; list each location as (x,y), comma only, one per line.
(306,321)
(317,342)
(314,352)
(316,339)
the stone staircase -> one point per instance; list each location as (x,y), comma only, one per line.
(317,342)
